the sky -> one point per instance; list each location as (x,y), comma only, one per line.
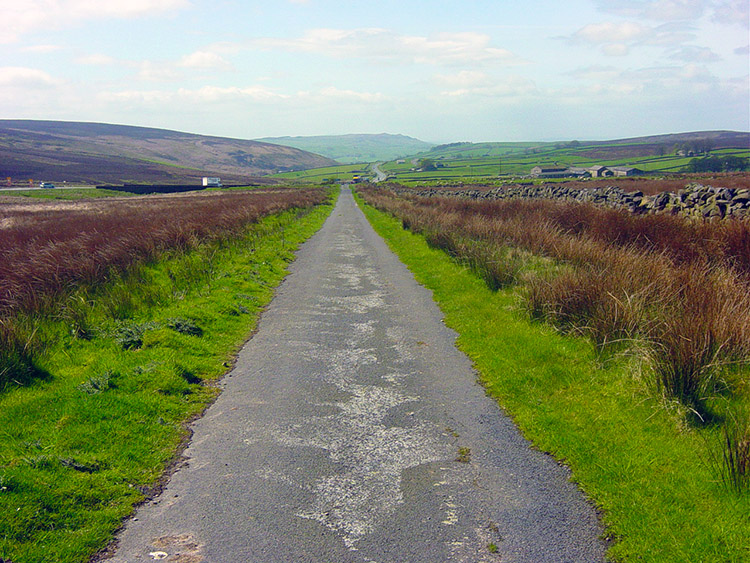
(441,71)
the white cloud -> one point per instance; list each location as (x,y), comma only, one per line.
(205,60)
(381,45)
(21,17)
(26,78)
(611,32)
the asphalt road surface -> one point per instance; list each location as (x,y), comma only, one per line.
(352,430)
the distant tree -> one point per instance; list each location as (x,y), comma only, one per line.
(717,164)
(702,146)
(427,164)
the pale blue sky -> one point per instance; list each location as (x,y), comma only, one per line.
(440,71)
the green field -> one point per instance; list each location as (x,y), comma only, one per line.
(77,193)
(494,162)
(345,172)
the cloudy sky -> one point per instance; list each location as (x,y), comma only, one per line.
(444,70)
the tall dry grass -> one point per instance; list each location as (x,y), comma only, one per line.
(680,286)
(674,290)
(49,250)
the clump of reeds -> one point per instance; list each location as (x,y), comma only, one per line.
(736,453)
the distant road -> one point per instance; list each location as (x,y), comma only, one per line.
(380,176)
(353,431)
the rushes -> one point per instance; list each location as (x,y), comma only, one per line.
(736,453)
(54,261)
(677,289)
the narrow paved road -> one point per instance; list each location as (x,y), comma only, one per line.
(380,176)
(352,430)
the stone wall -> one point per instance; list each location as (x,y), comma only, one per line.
(695,200)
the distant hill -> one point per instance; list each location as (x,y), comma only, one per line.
(100,153)
(348,149)
(663,154)
(634,147)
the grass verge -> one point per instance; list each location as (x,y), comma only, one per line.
(80,448)
(653,476)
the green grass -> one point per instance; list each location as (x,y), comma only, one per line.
(316,175)
(80,447)
(652,474)
(77,193)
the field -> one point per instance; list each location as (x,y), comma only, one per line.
(642,386)
(117,316)
(499,162)
(9,196)
(496,162)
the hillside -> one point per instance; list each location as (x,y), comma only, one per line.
(348,149)
(100,153)
(656,154)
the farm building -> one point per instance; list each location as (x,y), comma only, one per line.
(576,172)
(626,171)
(600,172)
(549,172)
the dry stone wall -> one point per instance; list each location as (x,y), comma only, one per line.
(695,200)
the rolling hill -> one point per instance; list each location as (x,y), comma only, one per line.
(349,149)
(98,153)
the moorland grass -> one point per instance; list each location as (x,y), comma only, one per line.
(679,296)
(53,255)
(656,477)
(129,363)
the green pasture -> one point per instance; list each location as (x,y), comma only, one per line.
(344,172)
(488,162)
(55,193)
